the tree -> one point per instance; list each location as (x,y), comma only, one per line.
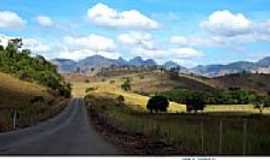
(126,85)
(195,101)
(258,103)
(158,103)
(120,99)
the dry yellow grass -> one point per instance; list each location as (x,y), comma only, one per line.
(134,99)
(14,92)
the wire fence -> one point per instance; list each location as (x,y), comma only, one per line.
(232,136)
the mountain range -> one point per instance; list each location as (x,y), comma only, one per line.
(97,62)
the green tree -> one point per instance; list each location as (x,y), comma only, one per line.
(126,85)
(157,103)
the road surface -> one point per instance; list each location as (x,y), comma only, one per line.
(69,133)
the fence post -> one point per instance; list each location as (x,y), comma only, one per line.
(244,136)
(14,115)
(202,136)
(220,136)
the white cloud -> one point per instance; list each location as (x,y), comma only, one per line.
(185,53)
(103,15)
(4,40)
(137,39)
(10,19)
(84,46)
(228,24)
(83,53)
(92,42)
(193,41)
(36,46)
(44,21)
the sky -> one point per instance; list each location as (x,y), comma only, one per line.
(194,32)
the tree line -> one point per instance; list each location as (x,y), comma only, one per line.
(22,63)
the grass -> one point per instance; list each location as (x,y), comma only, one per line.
(184,130)
(177,127)
(140,101)
(18,94)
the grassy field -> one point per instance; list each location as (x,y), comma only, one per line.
(199,133)
(18,94)
(140,101)
(178,127)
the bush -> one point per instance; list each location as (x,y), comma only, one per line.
(87,90)
(195,101)
(87,81)
(112,81)
(126,85)
(120,99)
(158,103)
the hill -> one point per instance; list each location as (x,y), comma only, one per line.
(253,82)
(155,81)
(30,85)
(32,102)
(261,66)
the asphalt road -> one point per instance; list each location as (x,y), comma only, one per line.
(69,133)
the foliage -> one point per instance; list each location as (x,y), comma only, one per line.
(126,85)
(195,101)
(38,69)
(120,99)
(158,103)
(87,90)
(230,96)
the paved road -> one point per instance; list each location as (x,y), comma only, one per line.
(67,133)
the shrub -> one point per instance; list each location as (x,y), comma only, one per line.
(112,81)
(195,101)
(158,103)
(37,99)
(87,90)
(120,99)
(141,76)
(126,85)
(87,81)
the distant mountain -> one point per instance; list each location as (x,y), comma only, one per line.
(65,65)
(97,62)
(262,66)
(122,61)
(265,62)
(138,61)
(173,65)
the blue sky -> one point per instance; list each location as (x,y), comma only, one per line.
(189,32)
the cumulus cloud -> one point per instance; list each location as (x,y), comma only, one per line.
(185,53)
(44,21)
(198,41)
(144,40)
(36,46)
(83,46)
(92,42)
(103,15)
(10,19)
(226,23)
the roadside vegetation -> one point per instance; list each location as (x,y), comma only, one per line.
(199,118)
(184,131)
(31,89)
